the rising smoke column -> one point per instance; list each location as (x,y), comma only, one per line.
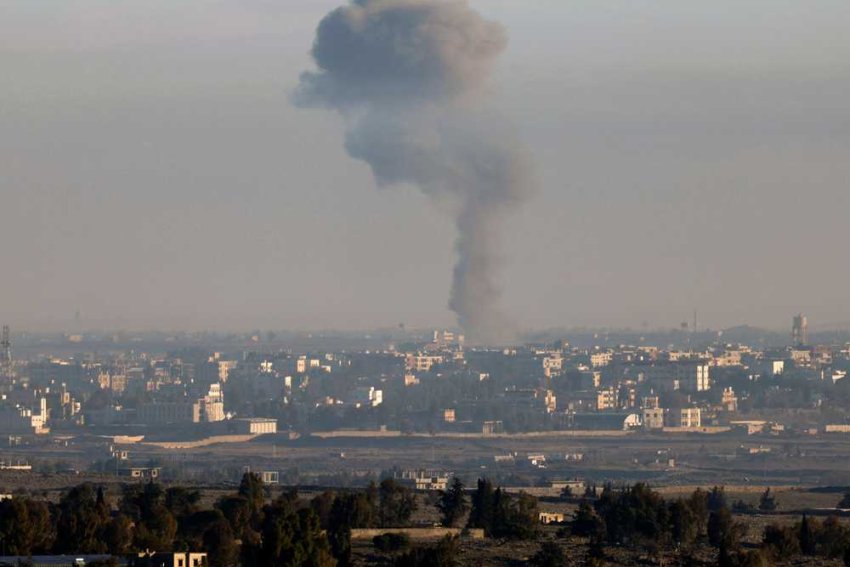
(408,76)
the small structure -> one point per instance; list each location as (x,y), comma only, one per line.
(492,427)
(170,559)
(423,479)
(254,425)
(367,397)
(16,466)
(653,418)
(143,473)
(576,486)
(551,517)
(270,477)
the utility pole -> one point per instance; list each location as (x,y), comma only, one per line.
(6,352)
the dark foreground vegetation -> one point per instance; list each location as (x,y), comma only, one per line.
(639,518)
(615,525)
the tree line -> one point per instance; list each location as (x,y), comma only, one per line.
(248,528)
(640,517)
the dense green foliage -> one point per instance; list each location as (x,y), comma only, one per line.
(549,555)
(453,504)
(252,529)
(637,516)
(147,517)
(500,514)
(391,542)
(443,554)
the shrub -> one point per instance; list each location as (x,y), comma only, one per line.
(549,555)
(391,542)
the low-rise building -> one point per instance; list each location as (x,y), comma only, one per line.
(170,413)
(551,517)
(142,473)
(653,418)
(685,417)
(423,479)
(606,399)
(253,425)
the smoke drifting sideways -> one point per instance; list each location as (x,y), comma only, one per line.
(409,77)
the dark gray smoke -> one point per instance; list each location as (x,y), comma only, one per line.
(408,76)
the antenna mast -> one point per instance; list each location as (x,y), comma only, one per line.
(6,352)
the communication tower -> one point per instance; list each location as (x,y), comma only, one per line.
(800,330)
(6,351)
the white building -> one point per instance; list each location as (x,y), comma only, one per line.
(686,417)
(600,359)
(255,425)
(367,396)
(687,376)
(212,405)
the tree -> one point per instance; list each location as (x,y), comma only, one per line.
(782,541)
(501,515)
(723,531)
(845,501)
(453,503)
(767,502)
(192,529)
(391,543)
(587,523)
(523,517)
(220,545)
(290,537)
(82,517)
(549,555)
(237,512)
(25,527)
(396,504)
(636,512)
(833,538)
(251,489)
(481,515)
(322,505)
(716,499)
(443,554)
(118,535)
(155,525)
(348,511)
(684,527)
(182,502)
(807,536)
(698,504)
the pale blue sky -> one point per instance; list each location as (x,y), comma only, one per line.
(688,154)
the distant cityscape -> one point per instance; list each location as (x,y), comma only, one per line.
(378,438)
(129,392)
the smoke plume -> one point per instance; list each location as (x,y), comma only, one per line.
(409,77)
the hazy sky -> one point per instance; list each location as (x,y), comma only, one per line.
(153,172)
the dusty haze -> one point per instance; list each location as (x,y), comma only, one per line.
(687,155)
